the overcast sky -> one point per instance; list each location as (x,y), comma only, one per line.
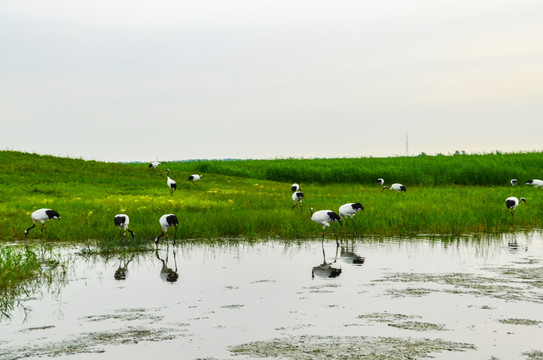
(139,80)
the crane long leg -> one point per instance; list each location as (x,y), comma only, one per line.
(337,242)
(354,226)
(175,234)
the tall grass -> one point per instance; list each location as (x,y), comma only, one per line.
(251,198)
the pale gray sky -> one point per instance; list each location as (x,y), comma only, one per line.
(139,80)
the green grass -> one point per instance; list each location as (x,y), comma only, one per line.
(252,198)
(23,273)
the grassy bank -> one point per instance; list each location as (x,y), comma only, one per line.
(251,198)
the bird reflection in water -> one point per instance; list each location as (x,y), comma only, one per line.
(514,246)
(326,270)
(122,271)
(166,273)
(348,255)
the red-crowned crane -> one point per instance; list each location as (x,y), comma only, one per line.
(121,221)
(195,177)
(297,198)
(167,221)
(349,210)
(397,187)
(295,187)
(535,183)
(513,182)
(512,203)
(154,164)
(325,218)
(171,183)
(381,181)
(42,215)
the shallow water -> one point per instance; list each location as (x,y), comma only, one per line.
(486,295)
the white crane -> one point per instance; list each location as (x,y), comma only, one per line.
(512,203)
(295,187)
(171,183)
(154,164)
(325,218)
(121,221)
(297,198)
(167,221)
(195,177)
(349,210)
(397,187)
(513,182)
(381,181)
(42,215)
(535,183)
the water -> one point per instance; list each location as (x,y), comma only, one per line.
(487,293)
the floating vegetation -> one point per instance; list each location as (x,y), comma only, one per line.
(402,321)
(416,292)
(92,342)
(534,355)
(506,285)
(348,347)
(527,322)
(134,328)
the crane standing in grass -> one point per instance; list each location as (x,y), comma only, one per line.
(349,210)
(512,203)
(195,177)
(167,221)
(171,183)
(154,164)
(121,221)
(535,183)
(325,218)
(42,215)
(297,198)
(396,187)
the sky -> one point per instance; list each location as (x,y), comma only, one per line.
(171,80)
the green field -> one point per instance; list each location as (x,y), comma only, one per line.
(460,194)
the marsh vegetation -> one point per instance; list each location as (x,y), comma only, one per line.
(233,223)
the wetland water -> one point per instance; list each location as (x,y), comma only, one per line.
(463,298)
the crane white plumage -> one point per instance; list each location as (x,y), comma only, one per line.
(297,198)
(396,187)
(349,210)
(512,202)
(195,177)
(167,221)
(171,183)
(295,187)
(325,218)
(121,221)
(154,164)
(535,183)
(513,182)
(42,215)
